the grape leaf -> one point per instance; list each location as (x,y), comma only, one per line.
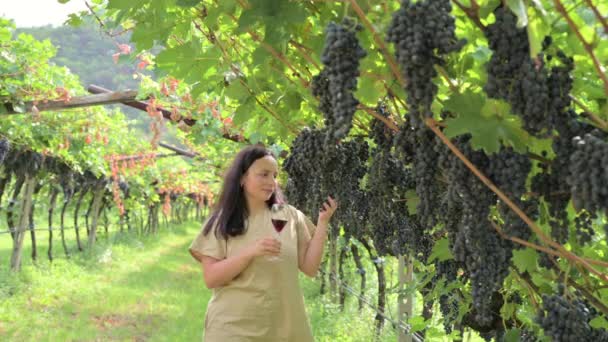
(412,201)
(525,260)
(488,122)
(467,101)
(125,4)
(368,90)
(292,99)
(237,91)
(179,57)
(417,323)
(187,3)
(74,20)
(256,137)
(247,19)
(518,7)
(539,6)
(487,8)
(599,322)
(537,30)
(244,111)
(276,37)
(260,56)
(512,335)
(441,251)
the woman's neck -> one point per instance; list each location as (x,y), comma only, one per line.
(255,207)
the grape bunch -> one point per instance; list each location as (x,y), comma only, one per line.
(487,263)
(464,184)
(536,93)
(510,49)
(383,227)
(30,163)
(475,243)
(513,225)
(336,83)
(565,320)
(359,206)
(124,187)
(447,271)
(412,237)
(320,89)
(344,164)
(317,170)
(423,32)
(427,149)
(380,132)
(549,184)
(451,211)
(395,231)
(388,176)
(588,178)
(448,305)
(304,160)
(583,224)
(533,106)
(509,170)
(559,85)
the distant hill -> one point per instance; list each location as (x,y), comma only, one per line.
(87,51)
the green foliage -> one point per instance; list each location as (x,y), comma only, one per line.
(83,138)
(253,60)
(88,53)
(441,251)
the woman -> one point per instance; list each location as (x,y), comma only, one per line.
(254,276)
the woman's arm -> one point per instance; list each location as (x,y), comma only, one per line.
(311,259)
(220,272)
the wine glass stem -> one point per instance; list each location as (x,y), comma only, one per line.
(278,237)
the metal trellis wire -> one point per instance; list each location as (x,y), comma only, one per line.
(402,325)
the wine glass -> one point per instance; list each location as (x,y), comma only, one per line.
(279,221)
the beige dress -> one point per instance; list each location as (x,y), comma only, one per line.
(264,302)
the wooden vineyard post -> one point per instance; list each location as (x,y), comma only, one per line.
(30,183)
(54,194)
(405,304)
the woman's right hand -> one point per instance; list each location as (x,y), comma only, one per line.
(266,246)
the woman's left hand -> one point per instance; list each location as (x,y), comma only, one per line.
(328,209)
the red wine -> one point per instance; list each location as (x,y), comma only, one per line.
(279,224)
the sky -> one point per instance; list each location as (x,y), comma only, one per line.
(30,13)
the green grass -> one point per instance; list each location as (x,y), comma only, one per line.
(133,288)
(128,288)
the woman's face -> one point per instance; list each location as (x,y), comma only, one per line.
(260,180)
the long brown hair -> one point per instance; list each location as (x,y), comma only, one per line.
(230,212)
